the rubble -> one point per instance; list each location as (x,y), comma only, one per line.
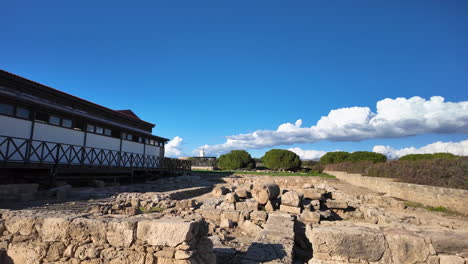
(239,220)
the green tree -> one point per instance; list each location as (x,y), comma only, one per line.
(334,157)
(281,159)
(428,156)
(366,156)
(236,159)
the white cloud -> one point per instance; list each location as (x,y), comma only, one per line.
(457,148)
(308,154)
(398,117)
(174,147)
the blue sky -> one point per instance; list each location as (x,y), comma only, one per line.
(204,70)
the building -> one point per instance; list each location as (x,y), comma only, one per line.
(44,128)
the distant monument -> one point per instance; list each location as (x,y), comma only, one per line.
(202,153)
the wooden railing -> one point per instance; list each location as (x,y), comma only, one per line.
(20,150)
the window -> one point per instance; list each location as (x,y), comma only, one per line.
(22,112)
(90,128)
(67,123)
(124,135)
(107,132)
(99,130)
(54,120)
(6,109)
(129,137)
(146,141)
(151,141)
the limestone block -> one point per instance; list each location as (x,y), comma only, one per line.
(258,216)
(87,251)
(22,224)
(231,215)
(120,233)
(310,217)
(334,204)
(219,191)
(211,214)
(166,232)
(55,251)
(348,241)
(451,259)
(54,229)
(81,229)
(290,209)
(292,198)
(242,193)
(230,198)
(406,247)
(312,194)
(250,228)
(262,193)
(27,252)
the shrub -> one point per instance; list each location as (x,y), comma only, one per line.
(334,157)
(281,159)
(236,159)
(366,156)
(428,156)
(451,173)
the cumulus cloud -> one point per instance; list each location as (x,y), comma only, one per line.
(398,117)
(174,147)
(308,154)
(457,148)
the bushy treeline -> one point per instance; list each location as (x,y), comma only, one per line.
(428,156)
(275,159)
(342,156)
(443,172)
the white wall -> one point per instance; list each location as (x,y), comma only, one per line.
(133,147)
(57,134)
(14,127)
(102,142)
(152,150)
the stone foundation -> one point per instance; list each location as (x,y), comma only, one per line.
(29,237)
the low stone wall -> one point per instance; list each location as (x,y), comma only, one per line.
(452,199)
(29,237)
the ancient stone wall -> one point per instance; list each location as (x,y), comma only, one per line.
(452,199)
(28,237)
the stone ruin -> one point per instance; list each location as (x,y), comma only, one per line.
(241,220)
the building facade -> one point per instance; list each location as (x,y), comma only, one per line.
(42,125)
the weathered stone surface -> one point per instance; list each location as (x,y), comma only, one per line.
(81,229)
(231,215)
(310,217)
(406,247)
(87,251)
(26,252)
(448,242)
(258,216)
(262,193)
(55,251)
(211,214)
(120,233)
(22,224)
(219,191)
(312,194)
(166,232)
(290,209)
(54,229)
(227,223)
(166,252)
(292,198)
(183,254)
(230,198)
(348,241)
(333,204)
(252,204)
(451,259)
(250,228)
(242,193)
